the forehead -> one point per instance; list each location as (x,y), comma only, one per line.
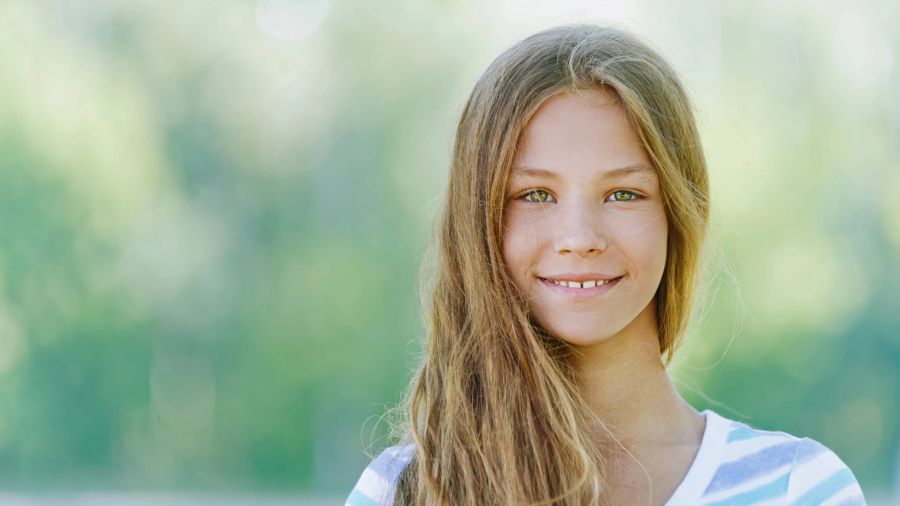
(639,170)
(581,134)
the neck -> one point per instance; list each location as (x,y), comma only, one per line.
(627,387)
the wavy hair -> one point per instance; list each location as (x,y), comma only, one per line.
(493,409)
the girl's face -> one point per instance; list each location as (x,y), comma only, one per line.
(584,206)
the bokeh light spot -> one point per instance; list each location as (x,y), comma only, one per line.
(291,19)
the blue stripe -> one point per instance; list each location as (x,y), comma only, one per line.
(357,498)
(808,449)
(741,434)
(775,488)
(752,466)
(828,488)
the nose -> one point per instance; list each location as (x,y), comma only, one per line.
(580,229)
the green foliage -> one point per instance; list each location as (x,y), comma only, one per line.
(211,237)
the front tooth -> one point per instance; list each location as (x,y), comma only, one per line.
(586,284)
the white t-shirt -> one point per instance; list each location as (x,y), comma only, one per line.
(735,465)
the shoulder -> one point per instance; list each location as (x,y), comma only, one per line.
(379,479)
(819,475)
(771,464)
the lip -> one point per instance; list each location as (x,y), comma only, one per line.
(580,292)
(581,276)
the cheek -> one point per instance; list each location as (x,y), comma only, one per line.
(645,239)
(656,243)
(521,243)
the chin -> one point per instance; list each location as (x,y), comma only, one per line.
(580,336)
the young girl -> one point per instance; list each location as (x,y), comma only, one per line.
(570,241)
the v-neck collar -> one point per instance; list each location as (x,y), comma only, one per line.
(715,433)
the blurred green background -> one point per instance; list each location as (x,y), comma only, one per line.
(213,215)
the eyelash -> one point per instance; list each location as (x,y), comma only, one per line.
(523,196)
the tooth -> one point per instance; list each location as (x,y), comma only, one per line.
(587,284)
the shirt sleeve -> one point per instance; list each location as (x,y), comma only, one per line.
(819,477)
(378,482)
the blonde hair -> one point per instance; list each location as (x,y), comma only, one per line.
(493,410)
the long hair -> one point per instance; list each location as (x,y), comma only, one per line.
(493,409)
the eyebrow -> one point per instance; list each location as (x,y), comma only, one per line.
(637,168)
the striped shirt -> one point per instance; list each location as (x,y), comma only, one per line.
(736,464)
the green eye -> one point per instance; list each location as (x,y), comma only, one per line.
(623,196)
(541,196)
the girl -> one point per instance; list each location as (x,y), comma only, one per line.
(568,251)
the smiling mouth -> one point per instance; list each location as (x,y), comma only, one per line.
(581,289)
(584,284)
